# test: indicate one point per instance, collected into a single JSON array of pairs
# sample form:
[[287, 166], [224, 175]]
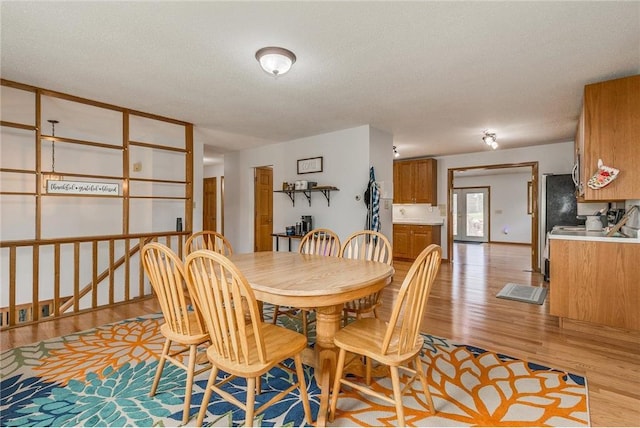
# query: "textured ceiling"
[[434, 74]]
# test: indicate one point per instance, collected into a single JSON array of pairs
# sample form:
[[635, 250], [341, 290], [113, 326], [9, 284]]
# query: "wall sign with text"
[[309, 165], [82, 188]]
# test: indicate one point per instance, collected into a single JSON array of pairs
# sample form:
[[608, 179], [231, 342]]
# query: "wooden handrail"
[[32, 242]]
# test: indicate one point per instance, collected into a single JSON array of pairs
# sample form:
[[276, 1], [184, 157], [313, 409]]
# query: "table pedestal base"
[[326, 355]]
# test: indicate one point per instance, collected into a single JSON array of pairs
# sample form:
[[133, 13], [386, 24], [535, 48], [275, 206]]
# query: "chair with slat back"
[[396, 344], [365, 245], [319, 241], [208, 240], [324, 242], [372, 246], [240, 348], [182, 325]]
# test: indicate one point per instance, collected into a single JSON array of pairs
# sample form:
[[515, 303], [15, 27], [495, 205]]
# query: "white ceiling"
[[434, 74]]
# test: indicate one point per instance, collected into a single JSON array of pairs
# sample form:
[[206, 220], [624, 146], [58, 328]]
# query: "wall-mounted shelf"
[[325, 190]]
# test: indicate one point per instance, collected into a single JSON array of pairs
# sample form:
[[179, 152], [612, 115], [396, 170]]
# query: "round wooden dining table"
[[314, 282]]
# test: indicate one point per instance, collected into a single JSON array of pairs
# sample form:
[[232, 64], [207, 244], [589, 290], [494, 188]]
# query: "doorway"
[[263, 201], [532, 203], [210, 204], [471, 214]]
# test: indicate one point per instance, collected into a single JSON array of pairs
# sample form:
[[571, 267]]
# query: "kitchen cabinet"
[[609, 129], [415, 181], [410, 239], [595, 281]]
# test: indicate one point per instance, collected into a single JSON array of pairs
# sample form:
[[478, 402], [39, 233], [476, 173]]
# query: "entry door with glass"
[[471, 214]]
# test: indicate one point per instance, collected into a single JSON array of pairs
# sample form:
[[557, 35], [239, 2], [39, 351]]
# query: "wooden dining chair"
[[373, 246], [240, 348], [208, 240], [365, 245], [319, 241], [211, 240], [182, 325], [396, 344]]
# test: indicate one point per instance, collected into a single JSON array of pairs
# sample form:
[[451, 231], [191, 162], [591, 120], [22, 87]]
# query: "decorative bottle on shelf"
[[298, 228], [179, 224]]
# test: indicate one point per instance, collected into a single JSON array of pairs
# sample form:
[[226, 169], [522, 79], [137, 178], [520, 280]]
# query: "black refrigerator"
[[560, 208]]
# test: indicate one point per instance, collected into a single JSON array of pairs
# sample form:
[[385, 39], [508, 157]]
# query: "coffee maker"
[[307, 224]]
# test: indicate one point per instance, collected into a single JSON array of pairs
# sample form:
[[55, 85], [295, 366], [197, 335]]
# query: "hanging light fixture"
[[489, 139], [395, 152], [52, 175], [275, 61]]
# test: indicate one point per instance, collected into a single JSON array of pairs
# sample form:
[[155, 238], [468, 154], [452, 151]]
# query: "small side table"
[[284, 235]]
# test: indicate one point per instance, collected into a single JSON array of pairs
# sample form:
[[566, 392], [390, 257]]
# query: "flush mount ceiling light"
[[489, 139], [275, 61], [395, 152]]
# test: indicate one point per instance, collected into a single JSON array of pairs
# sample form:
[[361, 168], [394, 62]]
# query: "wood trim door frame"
[[535, 262]]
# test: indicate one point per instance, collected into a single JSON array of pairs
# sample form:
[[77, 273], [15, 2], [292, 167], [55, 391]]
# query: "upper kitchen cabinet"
[[609, 129], [415, 181]]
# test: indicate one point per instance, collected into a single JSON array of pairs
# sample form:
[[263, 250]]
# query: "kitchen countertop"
[[583, 235]]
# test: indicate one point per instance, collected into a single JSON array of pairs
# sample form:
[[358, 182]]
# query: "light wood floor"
[[463, 307]]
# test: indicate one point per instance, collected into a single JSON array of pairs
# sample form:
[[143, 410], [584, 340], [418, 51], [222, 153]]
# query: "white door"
[[471, 214]]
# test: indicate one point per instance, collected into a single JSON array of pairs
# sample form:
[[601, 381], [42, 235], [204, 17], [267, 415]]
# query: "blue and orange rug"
[[102, 377]]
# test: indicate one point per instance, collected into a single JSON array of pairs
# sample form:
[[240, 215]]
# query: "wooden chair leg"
[[163, 358], [207, 396], [275, 314], [367, 369], [425, 386], [251, 401], [304, 322], [189, 386], [336, 384], [302, 385], [397, 395]]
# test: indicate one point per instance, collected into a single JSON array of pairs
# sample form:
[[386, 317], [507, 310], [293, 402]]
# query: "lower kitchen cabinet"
[[410, 239], [595, 281]]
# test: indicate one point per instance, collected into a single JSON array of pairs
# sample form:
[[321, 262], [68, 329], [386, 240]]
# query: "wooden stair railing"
[[24, 260], [106, 273]]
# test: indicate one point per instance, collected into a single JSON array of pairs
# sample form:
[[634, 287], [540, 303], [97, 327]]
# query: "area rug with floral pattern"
[[102, 377]]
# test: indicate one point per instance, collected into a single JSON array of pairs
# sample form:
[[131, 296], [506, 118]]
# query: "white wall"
[[552, 158], [509, 221], [347, 155], [380, 153], [216, 170]]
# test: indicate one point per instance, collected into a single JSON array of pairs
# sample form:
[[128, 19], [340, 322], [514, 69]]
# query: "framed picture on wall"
[[309, 165]]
